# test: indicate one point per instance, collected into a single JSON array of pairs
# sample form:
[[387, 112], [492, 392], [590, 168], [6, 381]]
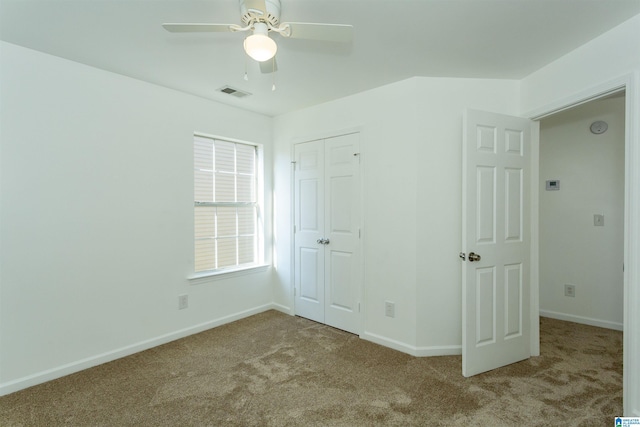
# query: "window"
[[226, 209]]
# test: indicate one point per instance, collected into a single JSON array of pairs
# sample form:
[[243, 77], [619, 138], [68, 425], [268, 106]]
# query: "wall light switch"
[[598, 220]]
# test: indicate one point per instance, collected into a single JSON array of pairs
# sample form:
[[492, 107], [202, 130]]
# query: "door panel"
[[486, 205], [485, 303], [514, 142], [486, 138], [513, 300], [308, 195], [513, 204], [341, 292], [495, 290], [310, 289], [340, 220]]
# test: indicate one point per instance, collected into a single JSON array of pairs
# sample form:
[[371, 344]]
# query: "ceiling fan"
[[261, 17]]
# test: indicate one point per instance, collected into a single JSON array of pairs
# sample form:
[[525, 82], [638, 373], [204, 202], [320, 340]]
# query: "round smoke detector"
[[599, 127]]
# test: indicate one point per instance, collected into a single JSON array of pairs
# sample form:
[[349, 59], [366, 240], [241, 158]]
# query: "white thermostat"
[[553, 184]]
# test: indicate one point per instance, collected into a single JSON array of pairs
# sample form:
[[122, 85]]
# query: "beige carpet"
[[276, 370]]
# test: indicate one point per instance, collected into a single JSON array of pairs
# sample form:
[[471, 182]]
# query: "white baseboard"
[[282, 308], [73, 367], [439, 350], [584, 320], [388, 342], [410, 349]]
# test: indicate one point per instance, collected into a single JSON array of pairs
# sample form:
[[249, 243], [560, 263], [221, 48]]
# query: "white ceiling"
[[393, 40]]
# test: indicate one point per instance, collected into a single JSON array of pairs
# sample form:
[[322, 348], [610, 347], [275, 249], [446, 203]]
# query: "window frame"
[[259, 263]]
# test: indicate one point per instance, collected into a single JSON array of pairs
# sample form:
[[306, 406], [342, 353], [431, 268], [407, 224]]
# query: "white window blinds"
[[226, 208]]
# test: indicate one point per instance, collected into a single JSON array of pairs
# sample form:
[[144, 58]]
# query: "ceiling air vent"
[[233, 92]]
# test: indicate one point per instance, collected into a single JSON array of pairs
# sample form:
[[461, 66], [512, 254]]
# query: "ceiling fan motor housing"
[[251, 14]]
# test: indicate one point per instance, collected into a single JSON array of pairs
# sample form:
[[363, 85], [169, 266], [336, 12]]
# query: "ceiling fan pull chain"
[[273, 73]]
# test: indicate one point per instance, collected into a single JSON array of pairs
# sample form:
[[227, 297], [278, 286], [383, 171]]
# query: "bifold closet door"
[[327, 231]]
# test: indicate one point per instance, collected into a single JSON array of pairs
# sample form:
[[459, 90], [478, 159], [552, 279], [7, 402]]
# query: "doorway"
[[581, 213], [628, 84]]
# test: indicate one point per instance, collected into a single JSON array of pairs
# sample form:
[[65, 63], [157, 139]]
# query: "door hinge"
[[359, 233], [358, 307], [295, 229], [295, 291]]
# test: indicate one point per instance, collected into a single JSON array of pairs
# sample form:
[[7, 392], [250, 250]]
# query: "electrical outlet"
[[389, 309], [598, 220], [183, 302], [570, 290]]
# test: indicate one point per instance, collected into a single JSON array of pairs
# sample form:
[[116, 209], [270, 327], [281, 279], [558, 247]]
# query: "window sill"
[[206, 276]]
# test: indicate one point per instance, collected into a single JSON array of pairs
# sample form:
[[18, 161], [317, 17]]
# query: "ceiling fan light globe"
[[260, 47]]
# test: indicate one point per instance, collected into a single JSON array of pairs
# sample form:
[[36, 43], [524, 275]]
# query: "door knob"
[[320, 241], [326, 241], [474, 257]]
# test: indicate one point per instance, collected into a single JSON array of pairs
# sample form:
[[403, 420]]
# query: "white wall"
[[439, 201], [613, 54], [388, 156], [411, 159], [97, 217], [572, 251], [600, 64]]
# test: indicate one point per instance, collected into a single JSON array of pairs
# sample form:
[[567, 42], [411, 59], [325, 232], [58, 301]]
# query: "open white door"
[[496, 163]]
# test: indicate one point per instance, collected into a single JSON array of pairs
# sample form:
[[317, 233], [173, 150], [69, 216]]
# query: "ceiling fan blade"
[[197, 28], [269, 66], [325, 32]]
